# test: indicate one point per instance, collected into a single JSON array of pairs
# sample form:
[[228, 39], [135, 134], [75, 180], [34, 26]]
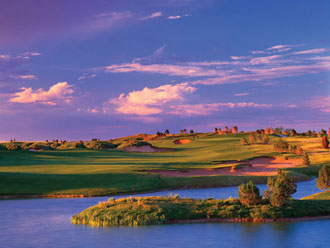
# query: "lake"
[[46, 223]]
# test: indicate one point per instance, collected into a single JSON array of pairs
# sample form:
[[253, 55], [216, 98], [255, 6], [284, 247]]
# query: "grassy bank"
[[319, 196], [91, 172], [162, 210]]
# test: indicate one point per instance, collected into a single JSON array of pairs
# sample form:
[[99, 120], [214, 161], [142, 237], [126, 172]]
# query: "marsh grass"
[[134, 211]]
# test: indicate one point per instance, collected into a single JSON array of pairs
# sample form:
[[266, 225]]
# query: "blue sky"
[[84, 69]]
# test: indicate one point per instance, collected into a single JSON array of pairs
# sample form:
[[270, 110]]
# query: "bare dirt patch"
[[263, 166], [181, 141]]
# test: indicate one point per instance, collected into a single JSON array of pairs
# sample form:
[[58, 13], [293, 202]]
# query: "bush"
[[280, 188], [244, 141], [306, 161], [281, 146], [249, 194], [324, 142], [12, 146], [265, 139], [252, 138], [299, 150], [323, 181]]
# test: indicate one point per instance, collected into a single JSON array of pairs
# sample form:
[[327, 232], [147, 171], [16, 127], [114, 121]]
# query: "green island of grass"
[[134, 211]]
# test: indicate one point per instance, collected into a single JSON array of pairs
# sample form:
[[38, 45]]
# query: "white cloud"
[[153, 15], [59, 92], [171, 99], [151, 100], [174, 17]]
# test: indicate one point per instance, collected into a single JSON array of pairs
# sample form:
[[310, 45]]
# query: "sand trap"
[[181, 141], [263, 166], [144, 149]]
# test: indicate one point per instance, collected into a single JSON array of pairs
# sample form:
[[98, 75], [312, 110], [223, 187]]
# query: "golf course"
[[146, 163]]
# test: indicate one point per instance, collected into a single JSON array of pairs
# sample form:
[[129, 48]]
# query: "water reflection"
[[45, 223]]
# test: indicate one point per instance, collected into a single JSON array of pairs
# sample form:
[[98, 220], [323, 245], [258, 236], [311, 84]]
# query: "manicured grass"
[[102, 172], [319, 196], [161, 210]]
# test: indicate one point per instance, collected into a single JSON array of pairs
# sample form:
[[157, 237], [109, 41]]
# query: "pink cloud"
[[209, 108], [312, 51], [151, 101], [59, 92], [320, 103], [241, 94], [173, 70], [264, 60], [27, 77], [85, 76], [153, 15]]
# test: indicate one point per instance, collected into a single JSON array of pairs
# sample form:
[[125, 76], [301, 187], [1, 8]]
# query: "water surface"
[[46, 223]]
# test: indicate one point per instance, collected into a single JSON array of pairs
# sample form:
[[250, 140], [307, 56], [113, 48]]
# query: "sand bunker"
[[143, 149], [181, 141], [263, 166]]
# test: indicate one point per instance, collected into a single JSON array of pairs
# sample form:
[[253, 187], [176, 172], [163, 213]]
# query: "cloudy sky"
[[79, 69]]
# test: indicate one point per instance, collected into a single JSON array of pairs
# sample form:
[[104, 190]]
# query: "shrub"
[[13, 146], [244, 141], [252, 138], [249, 194], [259, 138], [293, 132], [323, 181], [306, 161], [292, 148], [265, 139], [299, 150], [324, 142], [281, 146], [280, 188]]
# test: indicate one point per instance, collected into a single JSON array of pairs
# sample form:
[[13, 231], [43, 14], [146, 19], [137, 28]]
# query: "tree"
[[324, 142], [191, 131], [329, 133], [215, 130], [299, 150], [309, 133], [281, 146], [244, 141], [306, 161], [167, 132], [249, 194], [280, 188], [265, 139], [323, 181], [235, 129], [252, 138], [293, 132]]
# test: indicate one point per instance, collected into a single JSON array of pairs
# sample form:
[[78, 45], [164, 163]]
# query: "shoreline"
[[50, 196], [249, 220]]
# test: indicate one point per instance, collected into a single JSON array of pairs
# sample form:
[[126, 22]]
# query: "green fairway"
[[99, 172]]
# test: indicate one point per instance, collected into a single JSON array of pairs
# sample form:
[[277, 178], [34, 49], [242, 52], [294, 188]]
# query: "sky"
[[82, 69]]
